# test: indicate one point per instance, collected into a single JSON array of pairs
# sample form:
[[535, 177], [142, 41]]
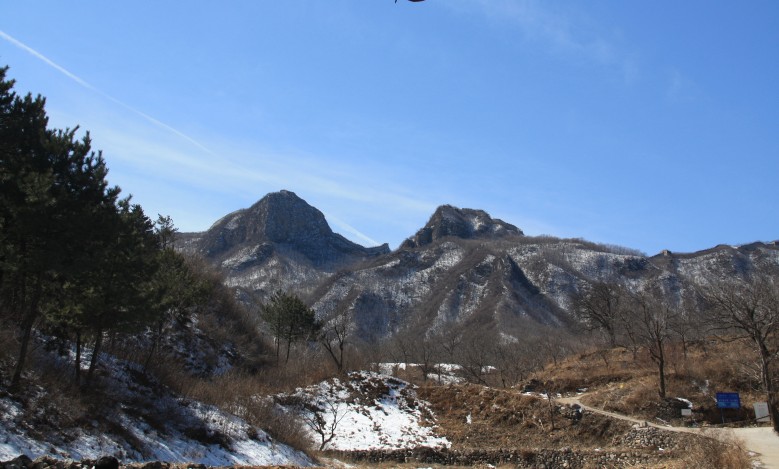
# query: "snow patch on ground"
[[141, 422], [372, 411], [442, 373]]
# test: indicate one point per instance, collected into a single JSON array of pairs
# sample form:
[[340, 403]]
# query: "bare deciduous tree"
[[653, 320], [314, 415], [475, 356], [334, 337], [750, 309], [599, 307], [515, 360]]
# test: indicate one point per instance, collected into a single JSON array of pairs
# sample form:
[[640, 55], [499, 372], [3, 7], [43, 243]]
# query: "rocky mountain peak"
[[283, 217], [282, 221], [462, 223]]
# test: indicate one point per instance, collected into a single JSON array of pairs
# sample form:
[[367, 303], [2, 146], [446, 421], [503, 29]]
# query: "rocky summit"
[[280, 242], [462, 269], [460, 223]]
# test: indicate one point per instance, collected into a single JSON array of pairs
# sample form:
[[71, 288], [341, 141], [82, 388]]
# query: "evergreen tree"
[[289, 320], [50, 183], [177, 289], [120, 297], [70, 250]]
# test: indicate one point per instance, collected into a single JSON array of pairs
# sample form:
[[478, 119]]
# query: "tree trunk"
[[768, 385], [612, 337], [337, 359], [95, 354], [29, 320], [551, 408], [660, 360], [78, 357], [154, 341]]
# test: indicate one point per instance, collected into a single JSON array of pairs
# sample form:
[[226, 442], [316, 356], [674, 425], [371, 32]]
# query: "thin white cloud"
[[238, 171], [557, 30], [45, 59], [352, 230], [90, 87], [252, 171]]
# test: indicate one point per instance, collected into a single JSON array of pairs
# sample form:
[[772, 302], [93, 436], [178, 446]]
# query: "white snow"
[[373, 411], [686, 401], [233, 223], [91, 443], [225, 440], [444, 373]]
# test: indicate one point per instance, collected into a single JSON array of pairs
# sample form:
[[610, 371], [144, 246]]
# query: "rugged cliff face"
[[281, 242], [448, 221], [463, 268]]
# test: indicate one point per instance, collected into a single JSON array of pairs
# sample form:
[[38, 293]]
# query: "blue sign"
[[728, 400]]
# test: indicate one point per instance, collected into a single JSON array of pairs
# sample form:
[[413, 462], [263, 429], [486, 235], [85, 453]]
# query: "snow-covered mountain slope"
[[463, 268], [126, 413]]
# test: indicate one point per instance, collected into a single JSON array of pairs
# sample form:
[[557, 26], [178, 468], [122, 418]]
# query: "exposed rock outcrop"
[[280, 242], [463, 223]]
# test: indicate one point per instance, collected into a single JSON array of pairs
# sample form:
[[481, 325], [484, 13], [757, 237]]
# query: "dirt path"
[[760, 440]]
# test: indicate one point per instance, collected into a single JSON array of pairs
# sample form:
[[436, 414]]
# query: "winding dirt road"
[[762, 441]]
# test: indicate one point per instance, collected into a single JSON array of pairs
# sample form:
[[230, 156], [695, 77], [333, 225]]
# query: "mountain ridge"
[[461, 269]]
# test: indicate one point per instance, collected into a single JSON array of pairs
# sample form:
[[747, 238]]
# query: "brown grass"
[[245, 395], [708, 452], [617, 381], [506, 419]]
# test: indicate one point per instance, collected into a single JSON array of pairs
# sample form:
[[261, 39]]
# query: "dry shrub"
[[710, 452], [282, 426], [303, 369], [595, 368], [243, 395], [638, 396]]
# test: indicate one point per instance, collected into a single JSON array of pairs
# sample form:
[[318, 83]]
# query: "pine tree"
[[289, 320], [49, 184], [176, 288], [70, 250]]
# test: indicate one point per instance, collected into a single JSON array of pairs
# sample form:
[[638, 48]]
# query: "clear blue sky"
[[651, 125]]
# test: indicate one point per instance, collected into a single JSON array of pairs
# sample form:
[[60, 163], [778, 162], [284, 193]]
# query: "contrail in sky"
[[88, 86], [242, 173]]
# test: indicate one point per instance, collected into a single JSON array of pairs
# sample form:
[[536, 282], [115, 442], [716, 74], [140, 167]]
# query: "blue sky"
[[652, 125]]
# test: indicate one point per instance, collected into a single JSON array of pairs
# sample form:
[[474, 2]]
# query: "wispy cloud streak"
[[91, 87], [557, 30], [352, 230]]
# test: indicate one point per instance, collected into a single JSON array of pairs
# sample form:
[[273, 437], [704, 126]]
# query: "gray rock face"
[[463, 268], [280, 242], [282, 219], [460, 223]]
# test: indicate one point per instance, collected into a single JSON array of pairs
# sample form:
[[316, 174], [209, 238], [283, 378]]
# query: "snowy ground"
[[371, 411], [142, 422], [443, 373], [138, 420]]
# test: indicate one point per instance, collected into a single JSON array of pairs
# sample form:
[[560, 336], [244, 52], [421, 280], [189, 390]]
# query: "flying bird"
[[396, 1]]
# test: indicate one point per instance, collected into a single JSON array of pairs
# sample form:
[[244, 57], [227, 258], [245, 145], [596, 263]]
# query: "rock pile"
[[646, 437], [525, 458]]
